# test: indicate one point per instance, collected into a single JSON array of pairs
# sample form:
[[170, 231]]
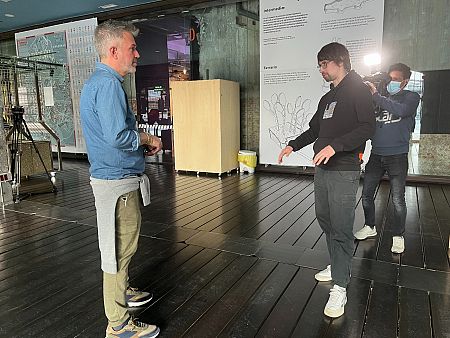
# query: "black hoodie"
[[346, 128]]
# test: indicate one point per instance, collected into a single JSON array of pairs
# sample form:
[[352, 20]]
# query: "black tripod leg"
[[15, 156]]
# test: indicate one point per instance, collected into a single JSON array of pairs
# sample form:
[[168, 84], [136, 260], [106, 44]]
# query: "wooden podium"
[[206, 125]]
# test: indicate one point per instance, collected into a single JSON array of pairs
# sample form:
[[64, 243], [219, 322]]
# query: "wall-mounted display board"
[[71, 44], [291, 34]]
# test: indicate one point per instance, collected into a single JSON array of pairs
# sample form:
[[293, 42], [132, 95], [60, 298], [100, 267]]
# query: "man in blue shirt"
[[116, 154], [390, 146]]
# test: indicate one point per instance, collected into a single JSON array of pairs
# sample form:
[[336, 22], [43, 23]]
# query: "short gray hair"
[[111, 30]]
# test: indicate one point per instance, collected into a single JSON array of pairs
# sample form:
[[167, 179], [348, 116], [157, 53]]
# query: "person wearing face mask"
[[390, 145]]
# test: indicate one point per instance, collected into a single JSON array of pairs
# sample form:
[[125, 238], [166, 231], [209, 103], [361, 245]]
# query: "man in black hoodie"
[[344, 120]]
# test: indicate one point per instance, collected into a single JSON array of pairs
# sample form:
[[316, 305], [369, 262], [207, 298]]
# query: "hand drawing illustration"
[[291, 119], [338, 6]]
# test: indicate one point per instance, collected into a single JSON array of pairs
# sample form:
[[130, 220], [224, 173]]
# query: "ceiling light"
[[5, 0], [157, 51], [138, 20], [9, 15], [107, 6], [161, 15], [372, 59]]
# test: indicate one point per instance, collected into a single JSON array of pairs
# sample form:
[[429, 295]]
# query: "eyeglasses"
[[323, 64]]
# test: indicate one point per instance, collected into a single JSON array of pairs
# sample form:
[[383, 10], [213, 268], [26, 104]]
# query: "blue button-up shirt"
[[109, 127]]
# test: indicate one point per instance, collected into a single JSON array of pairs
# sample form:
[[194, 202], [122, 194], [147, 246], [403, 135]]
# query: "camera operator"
[[390, 145]]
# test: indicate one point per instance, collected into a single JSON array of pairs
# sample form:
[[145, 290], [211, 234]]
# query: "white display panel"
[[291, 34]]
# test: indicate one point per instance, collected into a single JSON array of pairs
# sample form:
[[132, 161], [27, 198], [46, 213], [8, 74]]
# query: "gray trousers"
[[335, 200]]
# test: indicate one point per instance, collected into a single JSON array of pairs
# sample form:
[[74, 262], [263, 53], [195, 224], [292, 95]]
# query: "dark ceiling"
[[21, 15], [29, 13]]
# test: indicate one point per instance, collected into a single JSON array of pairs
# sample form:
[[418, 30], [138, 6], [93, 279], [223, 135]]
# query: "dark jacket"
[[346, 128], [395, 122]]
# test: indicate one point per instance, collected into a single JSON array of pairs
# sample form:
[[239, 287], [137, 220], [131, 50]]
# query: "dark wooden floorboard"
[[261, 210], [234, 257], [289, 307], [249, 204], [313, 323], [284, 201], [18, 265], [440, 314], [290, 220], [414, 255], [247, 321], [46, 248], [415, 315], [222, 312], [297, 228], [435, 256], [291, 208], [442, 209], [184, 316], [382, 312], [211, 204], [234, 205], [179, 294]]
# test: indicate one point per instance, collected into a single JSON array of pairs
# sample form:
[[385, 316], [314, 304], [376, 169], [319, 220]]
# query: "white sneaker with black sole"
[[365, 232], [324, 275], [336, 303]]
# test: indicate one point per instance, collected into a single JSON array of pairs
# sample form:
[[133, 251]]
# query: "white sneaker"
[[365, 231], [398, 244], [336, 302], [324, 275]]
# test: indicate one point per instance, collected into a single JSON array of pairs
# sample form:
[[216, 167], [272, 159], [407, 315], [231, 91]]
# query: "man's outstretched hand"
[[285, 152]]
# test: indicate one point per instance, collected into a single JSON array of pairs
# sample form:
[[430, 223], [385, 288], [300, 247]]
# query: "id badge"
[[328, 113]]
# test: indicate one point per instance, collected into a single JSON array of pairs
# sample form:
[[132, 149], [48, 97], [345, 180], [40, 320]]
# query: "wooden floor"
[[234, 257]]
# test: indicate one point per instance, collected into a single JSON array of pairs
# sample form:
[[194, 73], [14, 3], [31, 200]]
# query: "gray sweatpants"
[[335, 200]]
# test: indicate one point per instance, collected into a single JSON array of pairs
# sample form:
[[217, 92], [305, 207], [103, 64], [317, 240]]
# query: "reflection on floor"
[[234, 257]]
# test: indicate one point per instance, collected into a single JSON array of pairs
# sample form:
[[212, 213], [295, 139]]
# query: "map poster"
[[71, 45], [291, 34]]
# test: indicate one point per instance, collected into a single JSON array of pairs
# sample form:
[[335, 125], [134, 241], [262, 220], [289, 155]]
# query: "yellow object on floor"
[[247, 161]]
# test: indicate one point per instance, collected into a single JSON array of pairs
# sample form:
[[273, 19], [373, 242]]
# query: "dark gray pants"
[[335, 200], [396, 167]]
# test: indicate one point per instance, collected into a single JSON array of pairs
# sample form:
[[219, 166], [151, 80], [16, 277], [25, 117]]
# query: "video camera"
[[380, 80]]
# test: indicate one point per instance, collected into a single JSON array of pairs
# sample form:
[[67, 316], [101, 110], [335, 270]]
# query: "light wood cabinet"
[[206, 126]]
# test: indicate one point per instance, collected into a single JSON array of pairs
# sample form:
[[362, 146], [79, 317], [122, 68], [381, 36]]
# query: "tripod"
[[20, 129]]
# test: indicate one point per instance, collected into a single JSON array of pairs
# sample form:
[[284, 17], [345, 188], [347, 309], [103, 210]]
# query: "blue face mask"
[[394, 87]]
